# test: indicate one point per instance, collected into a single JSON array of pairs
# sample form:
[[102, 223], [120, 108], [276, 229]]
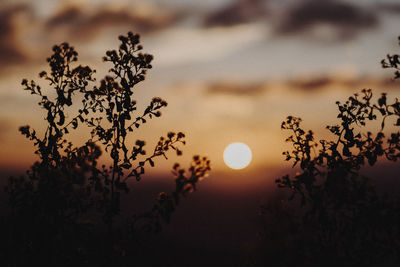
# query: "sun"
[[237, 156]]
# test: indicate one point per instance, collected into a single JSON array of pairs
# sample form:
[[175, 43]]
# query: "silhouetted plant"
[[166, 203], [346, 221], [66, 184], [392, 61]]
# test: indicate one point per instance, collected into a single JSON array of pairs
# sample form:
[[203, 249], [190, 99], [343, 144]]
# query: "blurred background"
[[231, 71]]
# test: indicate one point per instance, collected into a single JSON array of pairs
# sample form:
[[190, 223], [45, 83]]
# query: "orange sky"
[[230, 70]]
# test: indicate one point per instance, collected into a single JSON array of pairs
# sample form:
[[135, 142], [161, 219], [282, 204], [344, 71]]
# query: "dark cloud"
[[67, 16], [389, 7], [10, 51], [347, 19], [83, 24], [323, 82], [240, 11], [311, 84], [230, 88], [305, 84]]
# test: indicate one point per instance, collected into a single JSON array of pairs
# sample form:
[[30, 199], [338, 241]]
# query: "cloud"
[[84, 24], [10, 50], [305, 84], [393, 8], [316, 83], [254, 89], [326, 82], [238, 12], [70, 15], [181, 46], [240, 89], [343, 17]]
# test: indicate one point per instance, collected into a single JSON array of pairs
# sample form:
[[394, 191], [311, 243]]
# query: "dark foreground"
[[212, 227]]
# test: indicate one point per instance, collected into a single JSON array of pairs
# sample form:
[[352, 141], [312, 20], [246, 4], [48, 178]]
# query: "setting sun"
[[237, 156]]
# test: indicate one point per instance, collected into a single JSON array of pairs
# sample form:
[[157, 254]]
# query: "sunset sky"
[[230, 70]]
